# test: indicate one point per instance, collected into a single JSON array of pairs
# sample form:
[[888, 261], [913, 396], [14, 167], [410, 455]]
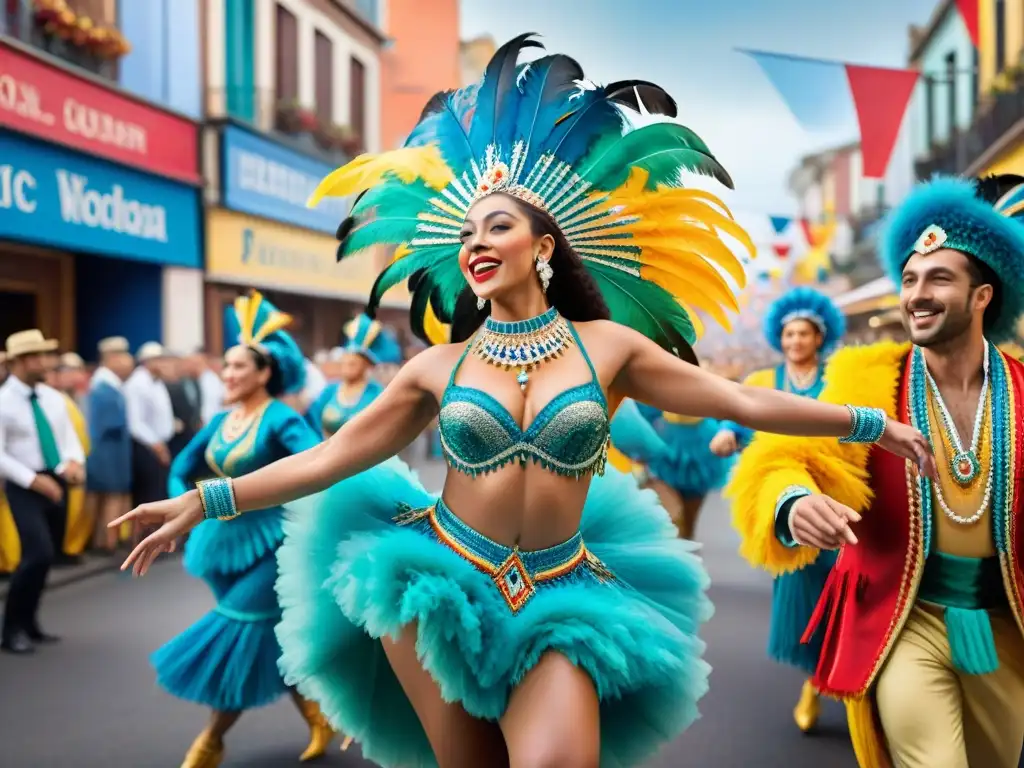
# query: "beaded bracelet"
[[218, 499], [867, 425]]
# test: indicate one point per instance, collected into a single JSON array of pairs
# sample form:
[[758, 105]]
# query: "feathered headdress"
[[539, 132], [804, 304], [256, 323], [983, 218], [367, 337]]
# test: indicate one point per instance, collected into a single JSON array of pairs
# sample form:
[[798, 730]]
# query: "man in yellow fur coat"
[[922, 614]]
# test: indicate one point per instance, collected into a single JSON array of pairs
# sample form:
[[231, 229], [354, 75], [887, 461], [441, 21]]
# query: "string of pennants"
[[814, 263]]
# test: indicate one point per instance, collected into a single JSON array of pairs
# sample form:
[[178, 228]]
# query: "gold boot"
[[204, 753], [807, 709], [320, 732]]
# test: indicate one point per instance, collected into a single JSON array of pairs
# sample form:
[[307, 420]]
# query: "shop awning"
[[877, 295]]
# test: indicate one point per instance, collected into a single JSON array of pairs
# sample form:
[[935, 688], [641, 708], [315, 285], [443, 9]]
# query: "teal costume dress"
[[328, 413], [679, 455], [228, 659], [795, 595], [623, 598]]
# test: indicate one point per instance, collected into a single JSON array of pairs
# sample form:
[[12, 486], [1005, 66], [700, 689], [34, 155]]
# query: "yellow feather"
[[275, 322], [407, 164], [867, 375], [436, 331], [401, 252], [695, 291]]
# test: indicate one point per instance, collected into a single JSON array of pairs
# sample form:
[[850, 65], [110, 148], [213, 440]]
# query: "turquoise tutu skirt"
[[623, 600], [688, 465], [794, 598], [228, 659]]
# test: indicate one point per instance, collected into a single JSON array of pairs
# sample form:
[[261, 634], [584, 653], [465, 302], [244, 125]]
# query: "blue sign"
[[265, 179], [59, 198]]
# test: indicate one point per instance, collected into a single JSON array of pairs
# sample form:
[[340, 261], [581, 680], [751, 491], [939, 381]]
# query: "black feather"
[[438, 103], [500, 79], [992, 188], [654, 98]]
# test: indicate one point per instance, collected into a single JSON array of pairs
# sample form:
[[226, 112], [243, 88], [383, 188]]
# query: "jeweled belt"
[[515, 572]]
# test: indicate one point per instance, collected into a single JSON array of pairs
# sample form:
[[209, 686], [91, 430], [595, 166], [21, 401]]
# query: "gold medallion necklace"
[[523, 344]]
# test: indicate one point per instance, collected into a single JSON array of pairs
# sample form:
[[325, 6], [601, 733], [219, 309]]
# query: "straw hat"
[[29, 343], [113, 344], [151, 350], [71, 360]]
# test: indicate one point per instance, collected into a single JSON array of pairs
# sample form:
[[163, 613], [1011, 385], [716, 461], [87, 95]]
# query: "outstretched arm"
[[651, 375], [380, 431]]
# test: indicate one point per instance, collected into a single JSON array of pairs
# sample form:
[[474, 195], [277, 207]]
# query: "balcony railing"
[[18, 20], [298, 127], [964, 149]]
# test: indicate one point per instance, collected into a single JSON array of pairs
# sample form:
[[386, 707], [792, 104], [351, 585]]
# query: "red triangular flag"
[[781, 249], [969, 12], [881, 97], [805, 225]]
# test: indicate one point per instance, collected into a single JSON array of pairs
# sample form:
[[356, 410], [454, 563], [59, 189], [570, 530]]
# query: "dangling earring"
[[545, 272], [480, 303]]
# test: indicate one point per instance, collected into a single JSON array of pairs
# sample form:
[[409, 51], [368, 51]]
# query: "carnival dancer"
[[678, 464], [804, 325], [919, 613], [541, 611], [227, 661], [369, 344]]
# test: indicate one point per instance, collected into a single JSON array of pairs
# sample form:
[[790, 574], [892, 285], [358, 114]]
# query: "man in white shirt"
[[150, 422], [40, 455]]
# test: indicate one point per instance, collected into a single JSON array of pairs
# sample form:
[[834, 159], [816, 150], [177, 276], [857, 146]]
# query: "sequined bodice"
[[254, 448], [569, 436], [336, 412]]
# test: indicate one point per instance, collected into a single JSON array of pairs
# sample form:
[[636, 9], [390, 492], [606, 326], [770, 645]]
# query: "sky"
[[687, 47]]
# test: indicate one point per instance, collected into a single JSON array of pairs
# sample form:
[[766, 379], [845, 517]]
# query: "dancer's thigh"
[[553, 717], [458, 739]]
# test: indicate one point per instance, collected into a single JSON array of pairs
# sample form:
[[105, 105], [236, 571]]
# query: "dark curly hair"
[[572, 291]]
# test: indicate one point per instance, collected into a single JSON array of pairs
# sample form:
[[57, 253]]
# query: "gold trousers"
[[934, 716]]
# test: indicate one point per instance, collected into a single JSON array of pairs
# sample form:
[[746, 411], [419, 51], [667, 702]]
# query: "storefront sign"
[[247, 251], [265, 179], [46, 101], [53, 196]]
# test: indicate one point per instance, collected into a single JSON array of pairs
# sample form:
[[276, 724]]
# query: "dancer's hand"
[[176, 517], [724, 443], [818, 521], [903, 440]]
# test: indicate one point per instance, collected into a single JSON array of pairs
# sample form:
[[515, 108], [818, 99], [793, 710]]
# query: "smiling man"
[[922, 616]]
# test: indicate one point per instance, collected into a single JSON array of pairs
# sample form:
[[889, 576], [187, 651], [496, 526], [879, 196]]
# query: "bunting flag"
[[781, 249], [833, 95], [969, 13], [780, 223], [808, 230], [816, 265]]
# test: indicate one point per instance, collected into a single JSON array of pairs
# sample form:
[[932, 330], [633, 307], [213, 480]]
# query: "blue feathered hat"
[[953, 213], [367, 337], [256, 323], [805, 304]]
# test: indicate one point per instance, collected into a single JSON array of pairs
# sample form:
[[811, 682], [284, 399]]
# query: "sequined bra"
[[569, 436]]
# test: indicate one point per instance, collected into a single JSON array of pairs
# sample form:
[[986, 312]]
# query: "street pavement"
[[91, 702]]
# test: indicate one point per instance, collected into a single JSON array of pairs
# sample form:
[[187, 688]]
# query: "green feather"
[[646, 307], [387, 215], [437, 261], [662, 149]]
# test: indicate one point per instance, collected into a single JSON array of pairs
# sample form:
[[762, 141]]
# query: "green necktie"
[[47, 442]]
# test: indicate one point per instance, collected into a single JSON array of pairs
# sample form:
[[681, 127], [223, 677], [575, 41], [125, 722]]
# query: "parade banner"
[[267, 179], [969, 13], [243, 250], [831, 95], [62, 199], [43, 100]]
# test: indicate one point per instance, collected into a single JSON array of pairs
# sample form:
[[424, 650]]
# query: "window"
[[1000, 35], [287, 55], [324, 78], [357, 94], [975, 82], [951, 105]]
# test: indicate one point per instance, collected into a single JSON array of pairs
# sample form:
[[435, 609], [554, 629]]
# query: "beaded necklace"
[[963, 463], [523, 344], [999, 433]]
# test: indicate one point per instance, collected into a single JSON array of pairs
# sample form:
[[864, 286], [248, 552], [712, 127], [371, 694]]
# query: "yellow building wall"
[[988, 76]]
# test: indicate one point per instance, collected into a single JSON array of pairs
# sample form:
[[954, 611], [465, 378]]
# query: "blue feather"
[[545, 92], [494, 117]]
